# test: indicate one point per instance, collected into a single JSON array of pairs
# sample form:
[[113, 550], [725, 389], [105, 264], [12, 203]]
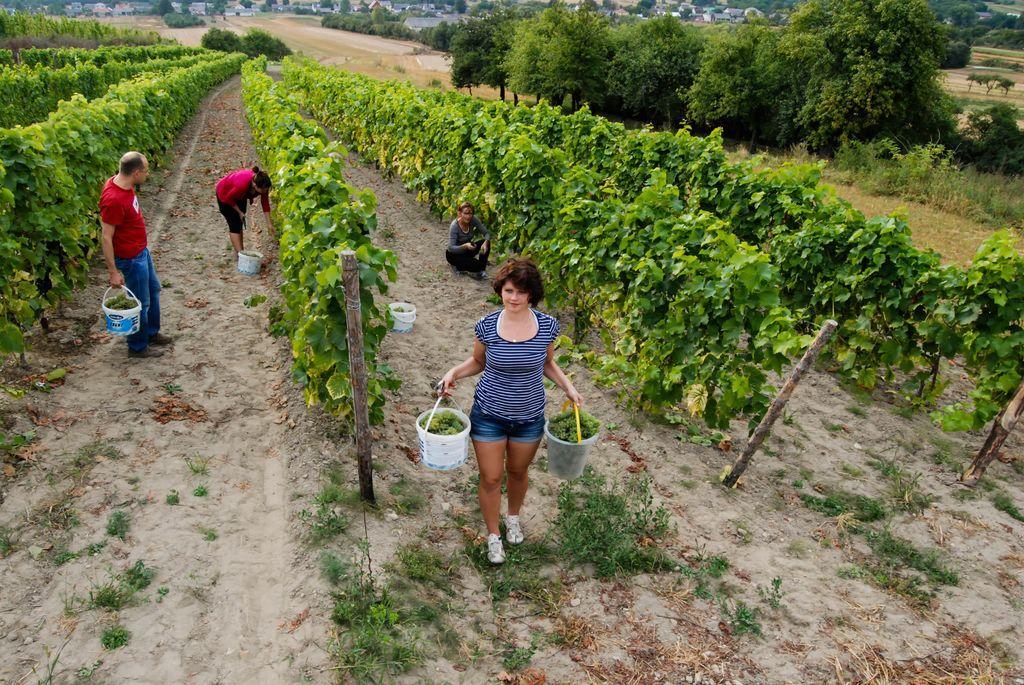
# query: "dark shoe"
[[479, 275], [148, 353], [160, 339]]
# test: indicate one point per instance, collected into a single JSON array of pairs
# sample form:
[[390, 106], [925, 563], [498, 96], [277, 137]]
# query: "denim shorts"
[[488, 428]]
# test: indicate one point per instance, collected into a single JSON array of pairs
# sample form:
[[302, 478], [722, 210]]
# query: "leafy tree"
[[440, 37], [993, 141], [1004, 84], [963, 15], [561, 53], [344, 6], [258, 42], [479, 49], [871, 68], [958, 55], [747, 84], [460, 6], [221, 39], [162, 7], [654, 66]]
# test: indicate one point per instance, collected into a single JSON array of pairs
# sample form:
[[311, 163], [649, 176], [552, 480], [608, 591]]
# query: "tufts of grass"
[[703, 570], [742, 619], [333, 567], [200, 491], [614, 529], [837, 502], [520, 576], [173, 498], [517, 658], [904, 488], [408, 497], [209, 534], [898, 551], [116, 637], [198, 465], [119, 590], [327, 521], [64, 556], [118, 524], [1004, 503], [423, 565], [8, 542]]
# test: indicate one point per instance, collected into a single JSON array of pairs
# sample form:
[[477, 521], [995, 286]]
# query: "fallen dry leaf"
[[167, 408], [293, 625]]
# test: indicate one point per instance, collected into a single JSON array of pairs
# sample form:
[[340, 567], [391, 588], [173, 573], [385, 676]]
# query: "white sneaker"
[[495, 550], [513, 530]]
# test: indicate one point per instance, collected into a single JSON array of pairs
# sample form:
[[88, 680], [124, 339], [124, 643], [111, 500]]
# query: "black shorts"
[[235, 222]]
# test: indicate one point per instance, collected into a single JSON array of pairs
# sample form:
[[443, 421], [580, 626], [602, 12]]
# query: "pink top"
[[233, 189]]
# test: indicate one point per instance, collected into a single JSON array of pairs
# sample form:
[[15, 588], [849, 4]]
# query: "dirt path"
[[226, 559]]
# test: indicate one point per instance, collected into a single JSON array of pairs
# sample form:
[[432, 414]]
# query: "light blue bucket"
[[122, 321]]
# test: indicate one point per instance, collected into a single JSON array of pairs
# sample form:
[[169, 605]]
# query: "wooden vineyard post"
[[777, 405], [1001, 429], [357, 372]]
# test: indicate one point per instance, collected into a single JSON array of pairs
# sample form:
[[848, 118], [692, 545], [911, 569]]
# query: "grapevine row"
[[899, 309], [62, 57], [319, 216], [22, 24], [29, 94], [51, 174], [688, 312]]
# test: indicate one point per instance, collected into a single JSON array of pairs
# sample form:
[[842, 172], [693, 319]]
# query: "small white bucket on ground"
[[249, 262], [404, 314], [122, 321], [443, 452], [567, 459]]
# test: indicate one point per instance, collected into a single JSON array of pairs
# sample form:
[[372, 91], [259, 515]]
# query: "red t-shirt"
[[233, 189], [120, 209]]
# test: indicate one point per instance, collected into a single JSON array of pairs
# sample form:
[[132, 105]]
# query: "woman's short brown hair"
[[467, 205], [523, 274]]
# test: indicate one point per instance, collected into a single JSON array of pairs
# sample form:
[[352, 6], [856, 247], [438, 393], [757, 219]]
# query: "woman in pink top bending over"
[[235, 192]]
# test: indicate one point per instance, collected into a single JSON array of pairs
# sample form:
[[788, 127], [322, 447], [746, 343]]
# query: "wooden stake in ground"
[[357, 372], [775, 409], [1001, 429]]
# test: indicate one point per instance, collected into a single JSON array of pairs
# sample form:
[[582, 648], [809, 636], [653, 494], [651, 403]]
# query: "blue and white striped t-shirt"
[[512, 386]]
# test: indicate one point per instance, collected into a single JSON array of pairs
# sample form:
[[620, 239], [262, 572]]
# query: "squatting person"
[[235, 192], [125, 251], [466, 251], [514, 347]]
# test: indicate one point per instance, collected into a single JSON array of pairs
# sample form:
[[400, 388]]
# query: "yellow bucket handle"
[[576, 408]]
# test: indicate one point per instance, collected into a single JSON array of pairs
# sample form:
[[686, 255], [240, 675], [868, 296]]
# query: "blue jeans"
[[140, 277], [488, 428]]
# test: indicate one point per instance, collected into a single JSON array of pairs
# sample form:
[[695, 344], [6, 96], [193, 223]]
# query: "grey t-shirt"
[[457, 237]]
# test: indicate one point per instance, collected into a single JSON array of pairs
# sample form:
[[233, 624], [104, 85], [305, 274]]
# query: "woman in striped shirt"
[[514, 347]]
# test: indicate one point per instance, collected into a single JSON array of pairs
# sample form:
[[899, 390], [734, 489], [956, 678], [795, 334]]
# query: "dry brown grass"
[[964, 659]]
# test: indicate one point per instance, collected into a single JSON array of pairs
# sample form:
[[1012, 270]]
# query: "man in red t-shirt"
[[125, 251]]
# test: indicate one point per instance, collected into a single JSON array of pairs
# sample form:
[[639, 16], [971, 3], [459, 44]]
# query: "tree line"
[[839, 71]]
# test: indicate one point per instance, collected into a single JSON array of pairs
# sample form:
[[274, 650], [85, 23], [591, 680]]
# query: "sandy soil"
[[250, 607]]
